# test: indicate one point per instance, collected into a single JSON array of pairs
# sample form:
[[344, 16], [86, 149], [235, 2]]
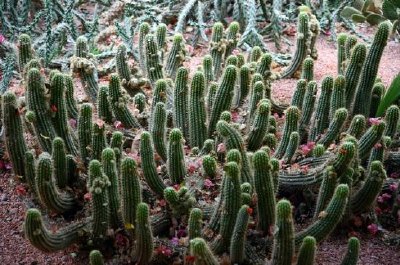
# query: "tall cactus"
[[298, 95], [144, 29], [338, 98], [335, 127], [370, 138], [103, 105], [25, 52], [217, 47], [153, 63], [181, 97], [70, 98], [307, 72], [202, 253], [307, 109], [257, 93], [123, 70], [60, 163], [232, 37], [326, 190], [307, 251], [158, 130], [392, 117], [244, 85], [195, 223], [176, 56], [144, 235], [176, 159], [238, 240], [357, 126], [197, 111], [291, 125], [85, 131], [259, 128], [341, 44], [353, 248], [208, 69]]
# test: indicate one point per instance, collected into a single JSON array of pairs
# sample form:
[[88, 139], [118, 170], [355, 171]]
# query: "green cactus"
[[335, 127], [181, 94], [30, 174], [264, 67], [36, 100], [328, 219], [350, 44], [144, 235], [362, 102], [158, 130], [232, 37], [353, 248], [118, 103], [307, 109], [159, 94], [326, 191], [341, 44], [60, 163], [244, 85], [357, 126], [208, 147], [301, 45], [299, 93], [259, 128], [103, 106], [291, 125], [49, 241], [255, 54], [231, 60], [318, 150], [377, 92], [238, 240], [176, 158], [209, 164], [140, 102], [197, 112], [366, 195], [176, 56], [153, 62], [247, 193], [50, 196], [294, 142], [161, 37], [13, 133], [257, 93], [195, 223], [307, 72], [69, 98], [123, 70], [25, 51], [212, 91], [217, 47], [338, 98], [96, 258], [223, 97], [392, 121], [283, 250], [144, 29], [116, 144], [345, 155], [180, 201], [202, 253], [270, 140], [99, 141], [307, 251], [370, 138], [353, 71], [208, 69], [149, 165]]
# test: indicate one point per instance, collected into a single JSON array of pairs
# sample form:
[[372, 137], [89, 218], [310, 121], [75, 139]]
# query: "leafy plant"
[[391, 96]]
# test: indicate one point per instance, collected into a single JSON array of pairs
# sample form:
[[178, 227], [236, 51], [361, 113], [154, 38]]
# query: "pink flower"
[[386, 196], [378, 210], [374, 121], [163, 250], [380, 199], [20, 189], [395, 175], [87, 197], [208, 183], [378, 145], [2, 38], [118, 125], [221, 148], [236, 52], [162, 203], [235, 116], [373, 229], [175, 241], [100, 123], [307, 148], [72, 123], [192, 167], [393, 187]]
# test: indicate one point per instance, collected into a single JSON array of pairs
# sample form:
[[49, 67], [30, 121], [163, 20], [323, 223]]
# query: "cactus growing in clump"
[[36, 100], [350, 44], [195, 223], [298, 96], [255, 54], [392, 121], [161, 37], [377, 92], [158, 130], [259, 127], [30, 174], [149, 165], [181, 94], [69, 98], [159, 94], [318, 150], [118, 104], [307, 72], [25, 52], [131, 193], [96, 258], [307, 109], [238, 239], [176, 158], [13, 131], [223, 97], [231, 60], [212, 91], [244, 85], [152, 61], [326, 190], [176, 56], [208, 147], [103, 106], [140, 102], [370, 138], [144, 29], [328, 219], [345, 154], [197, 112], [180, 201], [144, 235], [284, 238], [202, 253], [357, 126], [46, 240], [338, 98], [85, 131], [232, 37], [49, 194], [217, 47], [366, 195], [307, 251], [353, 248], [232, 202], [99, 141], [123, 70], [116, 144], [291, 125], [60, 163], [257, 93], [292, 146], [301, 45], [270, 140], [264, 68], [362, 102], [208, 69], [100, 202], [209, 164], [341, 44], [335, 127]]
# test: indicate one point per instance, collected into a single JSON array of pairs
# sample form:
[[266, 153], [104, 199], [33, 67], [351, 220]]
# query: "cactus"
[[60, 163], [338, 98], [98, 140], [25, 51], [96, 258], [176, 158], [118, 104], [362, 102], [259, 128], [238, 239], [301, 45], [208, 69], [366, 195], [370, 138], [255, 54], [264, 67], [100, 202], [36, 100], [298, 96], [353, 71], [49, 194], [110, 170], [195, 223], [85, 131], [116, 144], [335, 127], [159, 94], [351, 257], [357, 126], [180, 201], [307, 251], [307, 72], [208, 147], [377, 92], [103, 106], [181, 94], [161, 37], [345, 155], [158, 130], [149, 165], [144, 29], [264, 188], [292, 146], [244, 85], [13, 132], [217, 48], [212, 91], [232, 37], [231, 60], [223, 97], [318, 150], [176, 56], [48, 241], [350, 44], [202, 253], [123, 70], [328, 219], [326, 190], [131, 193], [140, 102], [144, 235], [307, 109], [153, 66], [69, 98], [284, 238], [257, 93], [341, 44], [291, 125], [231, 205], [209, 165], [270, 140], [392, 121], [30, 174], [197, 112]]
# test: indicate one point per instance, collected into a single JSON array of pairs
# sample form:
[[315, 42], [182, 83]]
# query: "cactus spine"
[[377, 92], [123, 70], [197, 113], [153, 66], [176, 159], [144, 29], [257, 93], [370, 138], [181, 94], [232, 37], [392, 121], [291, 125], [158, 130], [25, 52], [307, 109], [260, 126], [357, 126], [208, 69], [195, 223], [338, 99], [69, 98], [209, 164], [238, 239], [292, 146], [176, 56], [144, 235], [326, 190], [217, 47]]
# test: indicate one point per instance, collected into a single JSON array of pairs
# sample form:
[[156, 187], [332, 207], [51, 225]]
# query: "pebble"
[[4, 198]]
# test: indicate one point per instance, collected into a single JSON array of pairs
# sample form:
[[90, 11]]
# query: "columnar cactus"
[[149, 165], [264, 67], [25, 52], [140, 102], [36, 100], [291, 125], [208, 147], [176, 158], [212, 91], [60, 163], [259, 128], [255, 54], [338, 98], [195, 223], [231, 60], [131, 193], [362, 102], [238, 239], [144, 235], [208, 69], [85, 131], [103, 105], [180, 201], [298, 96], [118, 104], [232, 37], [345, 155], [202, 253], [326, 190], [244, 85], [197, 112], [357, 126], [307, 72], [353, 248], [30, 174], [257, 93], [14, 133], [123, 70], [294, 142], [181, 94], [335, 127], [307, 251], [161, 38], [377, 92], [341, 45], [96, 258], [70, 98], [350, 44], [46, 240], [176, 56], [307, 109], [223, 97], [209, 164], [217, 47], [392, 121], [158, 130], [370, 138], [116, 142], [153, 62], [99, 141], [283, 250], [144, 29]]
